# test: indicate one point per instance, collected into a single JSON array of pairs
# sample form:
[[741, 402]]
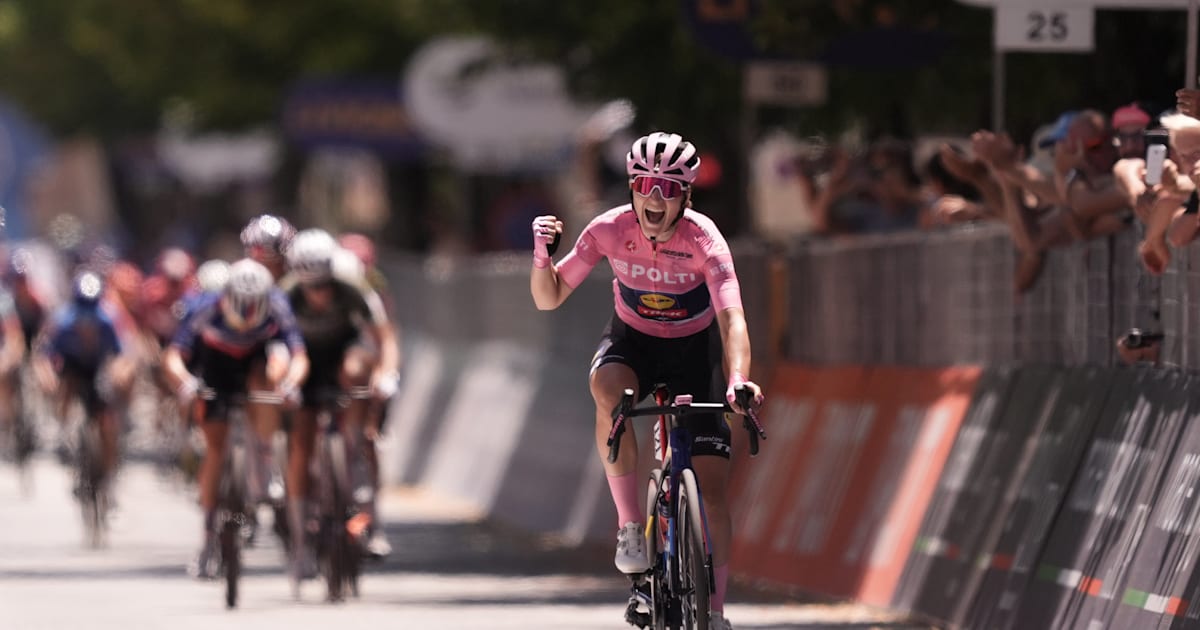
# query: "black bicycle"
[[235, 509], [85, 407], [676, 589], [339, 479]]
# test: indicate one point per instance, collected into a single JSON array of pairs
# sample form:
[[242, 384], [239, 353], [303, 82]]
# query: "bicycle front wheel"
[[657, 578], [334, 518], [693, 561], [90, 483], [232, 500]]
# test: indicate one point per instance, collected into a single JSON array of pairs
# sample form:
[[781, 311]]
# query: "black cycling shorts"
[[80, 380], [686, 365], [227, 376]]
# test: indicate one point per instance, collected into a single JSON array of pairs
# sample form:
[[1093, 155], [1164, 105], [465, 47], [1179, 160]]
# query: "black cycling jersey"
[[329, 332]]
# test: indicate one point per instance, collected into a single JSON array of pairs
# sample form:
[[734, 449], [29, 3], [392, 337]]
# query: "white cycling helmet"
[[347, 267], [665, 155], [247, 294], [212, 275], [311, 255]]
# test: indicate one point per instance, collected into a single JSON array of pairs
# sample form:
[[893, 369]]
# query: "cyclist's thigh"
[[357, 363], [618, 364]]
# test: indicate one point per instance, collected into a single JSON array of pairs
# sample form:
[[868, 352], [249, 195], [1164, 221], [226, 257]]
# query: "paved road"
[[450, 571]]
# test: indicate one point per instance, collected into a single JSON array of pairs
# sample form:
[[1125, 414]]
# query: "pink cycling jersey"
[[668, 289]]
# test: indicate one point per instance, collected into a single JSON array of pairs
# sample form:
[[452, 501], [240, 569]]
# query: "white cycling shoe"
[[631, 549], [717, 621]]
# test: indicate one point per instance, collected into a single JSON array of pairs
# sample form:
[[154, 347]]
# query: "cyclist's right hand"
[[186, 392], [290, 393], [546, 229]]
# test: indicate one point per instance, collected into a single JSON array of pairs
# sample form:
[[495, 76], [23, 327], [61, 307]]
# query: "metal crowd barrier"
[[921, 298]]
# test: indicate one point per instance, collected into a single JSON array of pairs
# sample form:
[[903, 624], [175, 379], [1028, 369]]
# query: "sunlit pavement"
[[448, 571]]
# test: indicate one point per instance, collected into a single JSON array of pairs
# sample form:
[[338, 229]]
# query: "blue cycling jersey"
[[81, 338], [205, 324]]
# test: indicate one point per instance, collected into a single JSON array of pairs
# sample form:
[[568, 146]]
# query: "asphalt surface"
[[450, 570]]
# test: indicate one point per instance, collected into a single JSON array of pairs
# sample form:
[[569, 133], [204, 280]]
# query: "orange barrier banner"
[[833, 503]]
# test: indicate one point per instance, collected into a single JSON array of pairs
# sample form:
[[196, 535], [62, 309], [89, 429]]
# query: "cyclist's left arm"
[[726, 295], [288, 331], [384, 330]]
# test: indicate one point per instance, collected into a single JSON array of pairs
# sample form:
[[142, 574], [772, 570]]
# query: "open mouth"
[[655, 217]]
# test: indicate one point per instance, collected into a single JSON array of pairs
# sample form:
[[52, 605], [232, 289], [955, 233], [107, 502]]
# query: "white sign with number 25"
[[1044, 29]]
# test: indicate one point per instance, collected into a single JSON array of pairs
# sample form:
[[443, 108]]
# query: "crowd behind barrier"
[[1079, 181]]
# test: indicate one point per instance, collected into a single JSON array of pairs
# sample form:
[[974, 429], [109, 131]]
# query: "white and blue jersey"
[[205, 326], [81, 339]]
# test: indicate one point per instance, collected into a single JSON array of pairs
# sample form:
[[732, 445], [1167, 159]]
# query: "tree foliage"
[[117, 67]]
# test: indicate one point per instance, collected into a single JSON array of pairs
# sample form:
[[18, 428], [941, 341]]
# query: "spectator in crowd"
[[955, 187], [1162, 208], [1080, 199], [874, 193], [1083, 177], [1129, 125]]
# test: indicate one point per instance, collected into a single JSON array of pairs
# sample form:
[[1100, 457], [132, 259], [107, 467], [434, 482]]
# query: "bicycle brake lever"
[[750, 418]]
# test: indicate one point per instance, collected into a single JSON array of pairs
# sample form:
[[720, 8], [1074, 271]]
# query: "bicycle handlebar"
[[259, 396], [683, 406]]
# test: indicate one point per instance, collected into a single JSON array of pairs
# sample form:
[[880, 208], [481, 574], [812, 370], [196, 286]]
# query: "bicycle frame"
[[677, 452]]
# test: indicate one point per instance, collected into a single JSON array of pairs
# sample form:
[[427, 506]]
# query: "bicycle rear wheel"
[[693, 557]]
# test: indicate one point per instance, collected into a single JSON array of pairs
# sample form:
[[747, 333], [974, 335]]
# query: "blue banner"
[[22, 146], [354, 113]]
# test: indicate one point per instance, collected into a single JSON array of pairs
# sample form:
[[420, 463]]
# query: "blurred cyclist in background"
[[678, 320], [266, 240], [163, 293], [31, 306], [81, 356], [12, 354], [224, 341], [363, 252], [211, 277], [19, 304], [350, 343]]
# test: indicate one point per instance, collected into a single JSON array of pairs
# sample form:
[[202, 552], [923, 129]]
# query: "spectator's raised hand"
[[1188, 102], [996, 150], [963, 167], [949, 209], [1068, 155], [1195, 175], [1173, 183], [1130, 174]]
